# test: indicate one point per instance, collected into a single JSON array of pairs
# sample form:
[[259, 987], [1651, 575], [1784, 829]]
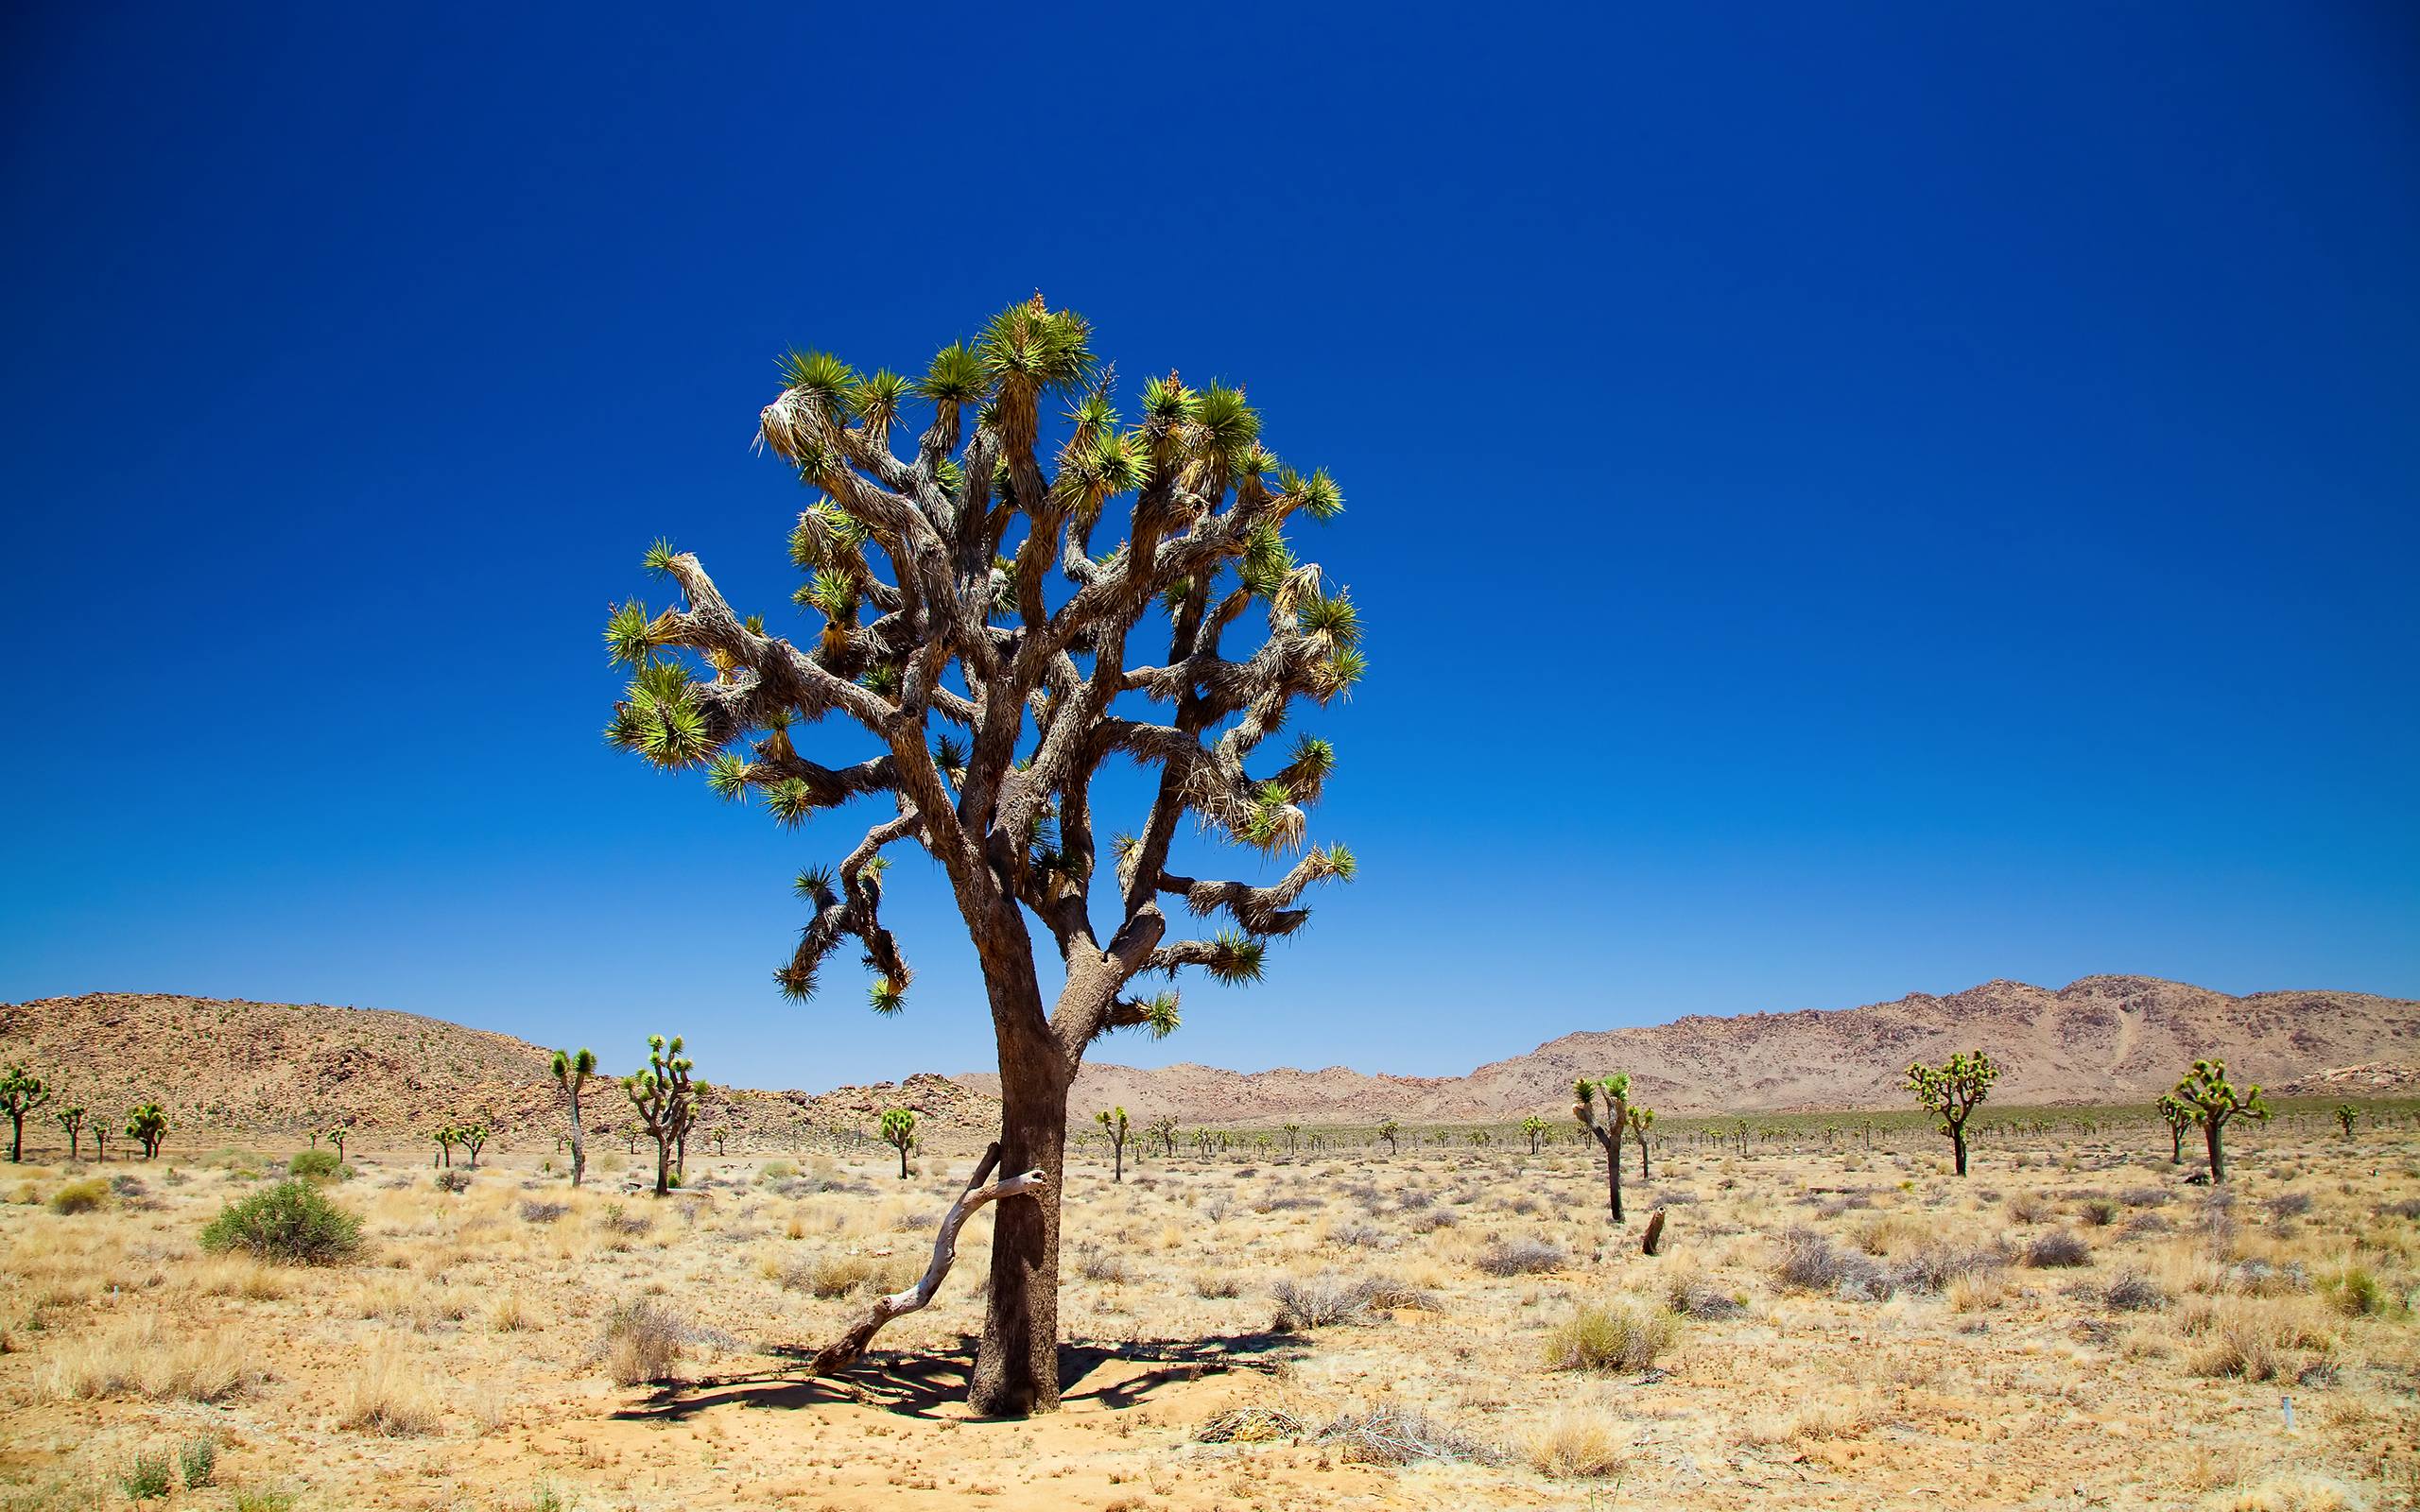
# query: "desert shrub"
[[1215, 1284], [1577, 1445], [145, 1478], [643, 1342], [1320, 1301], [1522, 1257], [2257, 1278], [2134, 1292], [318, 1164], [2289, 1205], [128, 1186], [2354, 1292], [837, 1274], [543, 1212], [81, 1197], [2408, 1208], [1431, 1220], [2253, 1341], [2027, 1207], [392, 1397], [1695, 1296], [265, 1501], [1623, 1337], [2144, 1224], [777, 1170], [291, 1222], [197, 1462], [1813, 1262], [2058, 1250], [1933, 1267], [1359, 1235], [454, 1182], [1392, 1435], [617, 1219], [2098, 1212], [1100, 1265], [2146, 1197]]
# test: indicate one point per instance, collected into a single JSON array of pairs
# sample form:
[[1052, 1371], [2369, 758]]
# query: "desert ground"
[[1834, 1321]]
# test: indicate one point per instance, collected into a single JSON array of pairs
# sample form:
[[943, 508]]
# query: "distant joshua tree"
[[1641, 1120], [472, 1136], [71, 1121], [899, 1132], [1162, 1128], [1951, 1091], [1294, 1139], [1614, 1090], [336, 1136], [1535, 1127], [663, 1096], [2215, 1102], [1388, 1131], [21, 1093], [2346, 1116], [148, 1125], [572, 1070], [444, 1134], [2179, 1118], [1113, 1124]]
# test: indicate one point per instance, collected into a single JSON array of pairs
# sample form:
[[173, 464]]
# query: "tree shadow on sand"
[[919, 1383]]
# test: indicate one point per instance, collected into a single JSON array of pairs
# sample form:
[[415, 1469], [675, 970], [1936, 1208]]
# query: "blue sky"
[[1844, 502]]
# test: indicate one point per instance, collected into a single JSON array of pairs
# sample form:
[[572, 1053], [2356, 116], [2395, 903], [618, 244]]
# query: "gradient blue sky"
[[1847, 501]]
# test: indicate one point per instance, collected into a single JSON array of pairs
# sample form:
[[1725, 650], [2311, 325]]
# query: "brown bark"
[[1017, 1370]]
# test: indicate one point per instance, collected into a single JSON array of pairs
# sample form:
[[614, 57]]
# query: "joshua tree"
[[721, 1134], [1641, 1120], [21, 1093], [572, 1070], [1112, 1129], [2215, 1102], [944, 638], [661, 1093], [445, 1134], [1535, 1127], [899, 1132], [71, 1120], [1614, 1090], [336, 1136], [1387, 1130], [472, 1136], [101, 1141], [2179, 1118], [2346, 1116], [1162, 1128], [1294, 1139], [1951, 1091], [147, 1124]]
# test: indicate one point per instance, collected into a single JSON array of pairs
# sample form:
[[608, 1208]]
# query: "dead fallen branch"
[[844, 1351]]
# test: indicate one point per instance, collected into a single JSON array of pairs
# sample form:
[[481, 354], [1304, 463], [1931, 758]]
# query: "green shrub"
[[197, 1459], [289, 1223], [146, 1477], [81, 1197], [1623, 1337], [455, 1181], [319, 1166], [265, 1501]]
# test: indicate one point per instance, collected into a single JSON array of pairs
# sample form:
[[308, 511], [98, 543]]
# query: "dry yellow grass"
[[624, 1350]]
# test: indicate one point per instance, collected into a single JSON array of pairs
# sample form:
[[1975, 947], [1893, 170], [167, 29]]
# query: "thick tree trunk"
[[1017, 1371], [1642, 1158], [17, 1140], [1958, 1147], [2176, 1145], [662, 1167], [2218, 1152]]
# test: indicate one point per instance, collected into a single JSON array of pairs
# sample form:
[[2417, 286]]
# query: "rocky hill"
[[2100, 1040], [236, 1068]]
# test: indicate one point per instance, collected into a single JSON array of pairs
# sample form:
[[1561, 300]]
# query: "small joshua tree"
[[1294, 1139], [101, 1141], [572, 1070], [472, 1136], [21, 1093], [445, 1134], [1535, 1127], [336, 1136], [1614, 1090], [1951, 1091], [899, 1132], [1113, 1125], [1388, 1131], [2346, 1116], [148, 1125], [1162, 1128], [71, 1121], [2215, 1103], [663, 1096], [1641, 1120], [2179, 1118]]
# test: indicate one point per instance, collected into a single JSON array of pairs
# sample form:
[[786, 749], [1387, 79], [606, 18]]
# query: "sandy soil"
[[1896, 1349]]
